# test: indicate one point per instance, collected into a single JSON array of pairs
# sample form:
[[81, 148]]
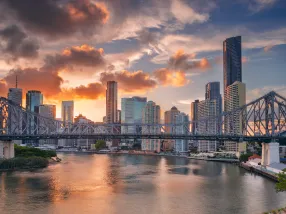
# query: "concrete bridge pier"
[[270, 153], [7, 149]]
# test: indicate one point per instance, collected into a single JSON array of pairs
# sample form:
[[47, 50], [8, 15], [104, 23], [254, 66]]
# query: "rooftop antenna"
[[16, 82]]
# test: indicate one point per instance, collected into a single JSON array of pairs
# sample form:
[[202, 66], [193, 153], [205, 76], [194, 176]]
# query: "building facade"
[[232, 69], [170, 118], [111, 102], [15, 95], [207, 109], [194, 114], [182, 146], [213, 93], [68, 111], [151, 114], [235, 97]]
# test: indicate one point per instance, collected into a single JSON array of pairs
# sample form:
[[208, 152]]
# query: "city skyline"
[[176, 50]]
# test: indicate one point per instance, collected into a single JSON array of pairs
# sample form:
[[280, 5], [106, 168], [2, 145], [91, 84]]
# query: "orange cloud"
[[136, 81], [168, 77]]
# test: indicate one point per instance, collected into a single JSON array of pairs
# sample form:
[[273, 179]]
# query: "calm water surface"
[[137, 184]]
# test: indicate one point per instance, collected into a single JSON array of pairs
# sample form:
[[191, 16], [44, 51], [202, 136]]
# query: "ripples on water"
[[126, 184]]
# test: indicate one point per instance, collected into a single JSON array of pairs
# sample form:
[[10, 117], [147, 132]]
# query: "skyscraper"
[[194, 114], [151, 115], [111, 102], [235, 97], [131, 112], [68, 111], [232, 61], [15, 95], [170, 118], [213, 93], [33, 99], [181, 145]]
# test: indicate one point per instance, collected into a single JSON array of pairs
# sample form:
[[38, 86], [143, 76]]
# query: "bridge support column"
[[7, 149], [270, 153]]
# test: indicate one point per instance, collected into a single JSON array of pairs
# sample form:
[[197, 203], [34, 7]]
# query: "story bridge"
[[262, 120]]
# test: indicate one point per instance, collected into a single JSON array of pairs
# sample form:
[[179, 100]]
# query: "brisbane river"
[[129, 184]]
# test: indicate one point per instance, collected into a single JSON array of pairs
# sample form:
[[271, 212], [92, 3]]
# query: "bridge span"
[[262, 120]]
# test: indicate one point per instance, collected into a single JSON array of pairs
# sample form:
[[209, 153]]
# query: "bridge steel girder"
[[261, 119]]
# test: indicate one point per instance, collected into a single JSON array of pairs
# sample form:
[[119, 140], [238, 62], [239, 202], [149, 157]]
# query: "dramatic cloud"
[[182, 61], [83, 55], [57, 18], [33, 79], [17, 44], [91, 91], [167, 77], [3, 88], [136, 81]]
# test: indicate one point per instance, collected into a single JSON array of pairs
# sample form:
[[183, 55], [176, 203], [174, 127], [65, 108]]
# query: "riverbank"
[[260, 171], [227, 160]]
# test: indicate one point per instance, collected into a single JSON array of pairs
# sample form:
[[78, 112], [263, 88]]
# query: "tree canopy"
[[281, 184], [100, 144]]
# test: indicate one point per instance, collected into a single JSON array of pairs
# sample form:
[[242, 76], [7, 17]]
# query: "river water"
[[129, 184]]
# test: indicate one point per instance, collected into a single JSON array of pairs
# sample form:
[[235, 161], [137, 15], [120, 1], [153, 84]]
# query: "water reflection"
[[136, 184]]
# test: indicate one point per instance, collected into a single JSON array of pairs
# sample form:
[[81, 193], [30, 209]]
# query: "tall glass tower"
[[33, 99], [232, 61]]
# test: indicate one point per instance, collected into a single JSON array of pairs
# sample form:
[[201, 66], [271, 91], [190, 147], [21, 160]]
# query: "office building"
[[232, 70], [33, 99], [151, 115], [68, 111], [83, 143], [213, 93], [46, 110], [131, 112], [235, 97], [15, 95], [170, 118], [181, 145], [111, 102], [194, 114]]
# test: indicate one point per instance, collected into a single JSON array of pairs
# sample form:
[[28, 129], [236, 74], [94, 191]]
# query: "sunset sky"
[[166, 50]]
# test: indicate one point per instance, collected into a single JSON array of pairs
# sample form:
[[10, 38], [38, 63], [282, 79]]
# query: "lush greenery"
[[244, 157], [100, 144], [278, 211], [21, 151], [23, 163], [281, 184]]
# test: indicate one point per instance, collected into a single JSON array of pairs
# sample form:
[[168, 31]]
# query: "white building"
[[182, 146], [208, 109], [151, 115], [234, 97]]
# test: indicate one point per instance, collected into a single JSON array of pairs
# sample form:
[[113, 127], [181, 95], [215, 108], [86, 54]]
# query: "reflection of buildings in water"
[[179, 170]]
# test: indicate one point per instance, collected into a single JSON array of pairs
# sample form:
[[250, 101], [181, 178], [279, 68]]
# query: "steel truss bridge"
[[262, 120]]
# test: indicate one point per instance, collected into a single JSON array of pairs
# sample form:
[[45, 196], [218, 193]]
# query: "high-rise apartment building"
[[15, 95], [207, 109], [235, 97], [232, 70], [68, 111], [194, 114], [151, 115], [170, 118], [181, 145], [131, 112], [111, 102]]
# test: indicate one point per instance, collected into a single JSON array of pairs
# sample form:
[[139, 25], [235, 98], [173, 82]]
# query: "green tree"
[[100, 144], [281, 184], [244, 157]]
